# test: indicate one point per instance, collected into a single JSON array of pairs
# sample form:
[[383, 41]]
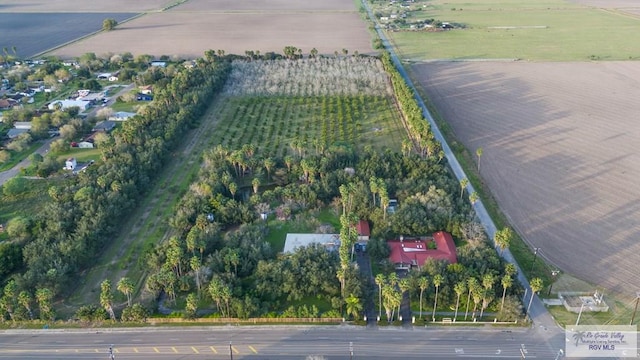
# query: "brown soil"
[[190, 34], [82, 6], [560, 155]]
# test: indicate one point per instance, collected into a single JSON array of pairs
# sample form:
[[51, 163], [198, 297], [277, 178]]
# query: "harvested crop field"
[[33, 33], [20, 6], [190, 34], [560, 155], [261, 5]]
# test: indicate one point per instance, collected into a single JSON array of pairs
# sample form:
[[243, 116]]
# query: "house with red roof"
[[362, 227], [414, 252]]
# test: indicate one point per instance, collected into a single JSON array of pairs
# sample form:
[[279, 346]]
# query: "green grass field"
[[538, 31]]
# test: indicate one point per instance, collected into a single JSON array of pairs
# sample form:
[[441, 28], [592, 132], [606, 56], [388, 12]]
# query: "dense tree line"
[[85, 212]]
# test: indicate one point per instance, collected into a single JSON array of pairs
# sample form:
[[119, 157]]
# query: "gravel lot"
[[560, 155]]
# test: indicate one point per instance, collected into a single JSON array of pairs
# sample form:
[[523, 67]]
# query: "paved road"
[[267, 342], [8, 174]]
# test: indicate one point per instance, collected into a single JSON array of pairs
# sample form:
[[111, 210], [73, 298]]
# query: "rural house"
[[363, 231], [67, 104], [147, 89], [105, 126], [407, 253], [294, 241], [122, 116], [70, 164]]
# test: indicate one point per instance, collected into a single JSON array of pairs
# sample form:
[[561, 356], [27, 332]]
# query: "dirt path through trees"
[[148, 223]]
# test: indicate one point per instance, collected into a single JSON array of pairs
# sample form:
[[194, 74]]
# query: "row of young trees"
[[84, 212]]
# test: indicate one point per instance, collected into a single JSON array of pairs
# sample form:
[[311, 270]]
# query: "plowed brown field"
[[189, 29], [561, 155]]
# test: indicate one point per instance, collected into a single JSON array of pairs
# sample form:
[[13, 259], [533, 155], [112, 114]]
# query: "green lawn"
[[16, 157], [81, 155], [538, 31], [34, 196]]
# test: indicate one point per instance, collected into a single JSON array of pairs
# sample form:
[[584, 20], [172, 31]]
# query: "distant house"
[[86, 144], [104, 76], [122, 116], [294, 241], [159, 63], [407, 253], [147, 89], [144, 97], [5, 104], [22, 125], [113, 78], [67, 104], [105, 126], [363, 231], [13, 133], [70, 164], [84, 93]]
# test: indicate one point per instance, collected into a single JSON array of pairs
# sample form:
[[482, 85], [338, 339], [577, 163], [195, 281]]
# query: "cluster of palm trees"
[[480, 292]]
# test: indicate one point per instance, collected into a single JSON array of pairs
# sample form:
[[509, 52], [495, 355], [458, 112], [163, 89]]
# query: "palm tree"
[[474, 197], [487, 297], [437, 281], [43, 297], [487, 281], [233, 188], [353, 306], [502, 239], [477, 298], [404, 286], [125, 286], [479, 153], [510, 269], [536, 285], [506, 283], [423, 283], [380, 281], [463, 184], [256, 185], [106, 298], [24, 299], [373, 186], [460, 288], [472, 285]]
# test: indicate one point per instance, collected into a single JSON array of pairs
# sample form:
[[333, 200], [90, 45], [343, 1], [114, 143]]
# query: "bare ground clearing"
[[82, 6], [560, 155], [191, 34]]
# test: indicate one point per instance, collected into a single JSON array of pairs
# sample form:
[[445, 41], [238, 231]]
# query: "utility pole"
[[535, 255], [633, 317], [554, 273]]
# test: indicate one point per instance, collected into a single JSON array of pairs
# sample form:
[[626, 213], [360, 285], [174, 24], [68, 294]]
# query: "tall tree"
[[24, 299], [463, 185], [506, 283], [472, 285], [536, 285], [479, 153], [43, 297], [487, 297], [502, 238], [106, 298], [459, 288], [437, 281], [423, 283], [126, 286], [353, 306], [380, 281]]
